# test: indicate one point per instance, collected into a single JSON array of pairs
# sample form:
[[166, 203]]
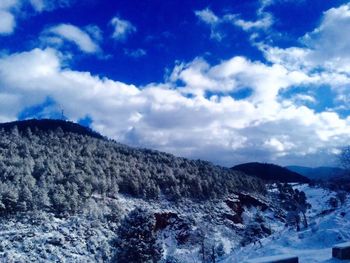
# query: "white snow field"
[[310, 245]]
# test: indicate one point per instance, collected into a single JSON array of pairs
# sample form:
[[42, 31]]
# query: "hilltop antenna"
[[62, 112]]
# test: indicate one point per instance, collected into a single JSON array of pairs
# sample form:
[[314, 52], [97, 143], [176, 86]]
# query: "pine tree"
[[295, 203], [137, 241]]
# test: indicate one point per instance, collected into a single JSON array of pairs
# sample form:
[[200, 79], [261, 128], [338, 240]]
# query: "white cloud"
[[7, 4], [7, 23], [263, 22], [207, 16], [278, 145], [194, 113], [213, 21], [48, 5], [7, 19], [73, 34], [235, 74], [122, 28], [326, 48], [323, 55], [329, 43], [305, 98], [163, 116], [38, 5], [95, 32], [10, 10]]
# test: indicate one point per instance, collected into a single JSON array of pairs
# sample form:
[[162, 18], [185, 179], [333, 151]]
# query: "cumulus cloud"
[[329, 42], [323, 54], [67, 32], [164, 117], [236, 74], [194, 112], [121, 28], [327, 47]]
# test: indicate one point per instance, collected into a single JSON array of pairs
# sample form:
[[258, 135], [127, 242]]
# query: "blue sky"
[[226, 81]]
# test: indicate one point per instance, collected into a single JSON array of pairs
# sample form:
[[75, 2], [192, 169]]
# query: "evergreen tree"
[[137, 241], [295, 203]]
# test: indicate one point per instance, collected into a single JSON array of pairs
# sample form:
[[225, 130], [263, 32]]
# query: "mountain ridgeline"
[[271, 172], [319, 173], [57, 166]]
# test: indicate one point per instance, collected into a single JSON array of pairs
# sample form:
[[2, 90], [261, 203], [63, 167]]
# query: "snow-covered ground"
[[311, 245], [46, 238]]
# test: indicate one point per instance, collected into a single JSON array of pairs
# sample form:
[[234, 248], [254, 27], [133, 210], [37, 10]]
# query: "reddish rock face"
[[180, 226], [237, 206]]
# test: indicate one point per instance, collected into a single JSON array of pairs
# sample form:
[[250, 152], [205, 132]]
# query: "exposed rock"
[[165, 219]]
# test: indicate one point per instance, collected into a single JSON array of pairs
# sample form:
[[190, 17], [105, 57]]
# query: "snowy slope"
[[44, 237], [85, 238], [311, 245]]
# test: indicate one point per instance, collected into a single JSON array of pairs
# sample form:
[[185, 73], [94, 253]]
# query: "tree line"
[[59, 170]]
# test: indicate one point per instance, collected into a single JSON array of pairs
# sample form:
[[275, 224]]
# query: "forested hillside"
[[57, 166], [69, 194], [271, 172]]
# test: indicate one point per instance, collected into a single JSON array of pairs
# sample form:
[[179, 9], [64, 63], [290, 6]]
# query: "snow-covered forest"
[[68, 194], [59, 171]]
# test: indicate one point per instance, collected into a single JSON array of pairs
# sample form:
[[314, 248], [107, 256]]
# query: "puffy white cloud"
[[326, 48], [323, 55], [279, 146], [67, 32], [236, 74], [195, 112], [121, 28], [216, 127], [329, 43]]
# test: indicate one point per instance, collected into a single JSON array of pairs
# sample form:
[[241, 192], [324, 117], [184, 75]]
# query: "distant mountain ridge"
[[50, 125], [318, 173], [270, 172]]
